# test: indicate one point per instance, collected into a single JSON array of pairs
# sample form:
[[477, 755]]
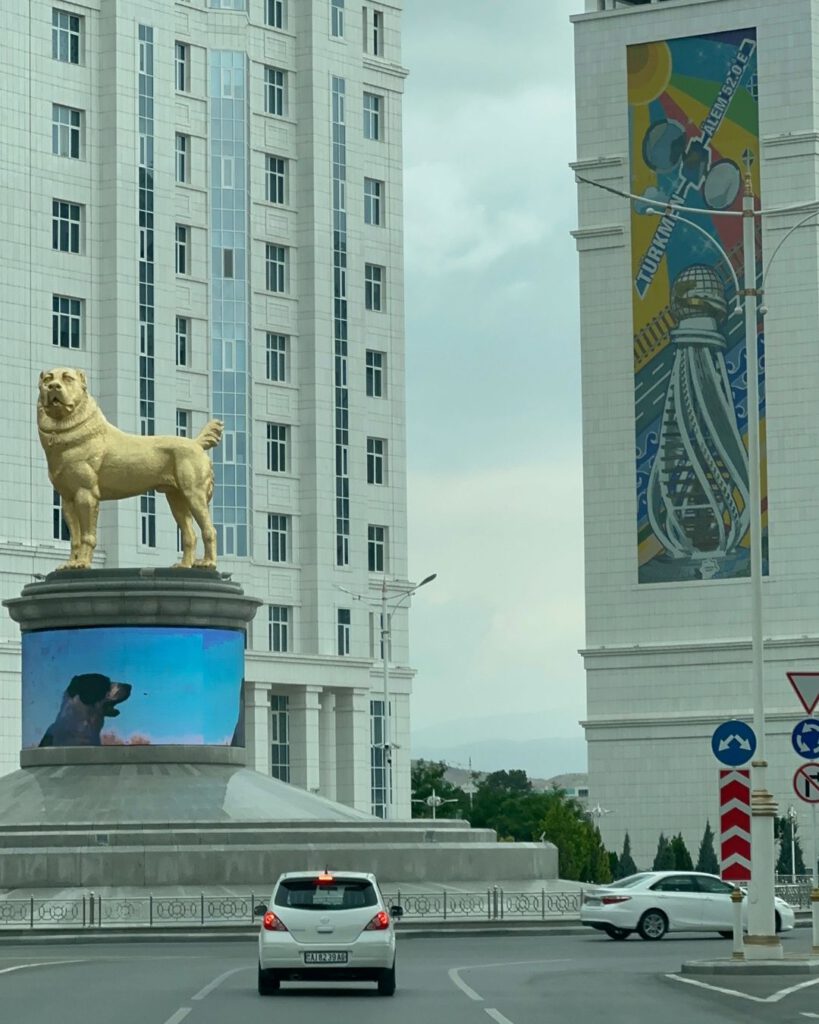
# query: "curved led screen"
[[132, 686]]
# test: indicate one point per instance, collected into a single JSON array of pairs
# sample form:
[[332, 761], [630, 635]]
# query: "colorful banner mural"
[[693, 135]]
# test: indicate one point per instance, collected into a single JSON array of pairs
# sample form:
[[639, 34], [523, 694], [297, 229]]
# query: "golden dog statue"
[[90, 461]]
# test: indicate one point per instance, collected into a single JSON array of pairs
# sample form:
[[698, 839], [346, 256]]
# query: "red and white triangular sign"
[[806, 687]]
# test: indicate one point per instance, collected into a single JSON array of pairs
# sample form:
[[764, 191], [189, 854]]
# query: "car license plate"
[[325, 957]]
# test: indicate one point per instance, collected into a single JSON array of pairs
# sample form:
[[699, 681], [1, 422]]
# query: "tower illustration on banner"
[[698, 486]]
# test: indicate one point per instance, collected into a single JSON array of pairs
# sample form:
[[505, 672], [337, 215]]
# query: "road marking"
[[773, 998], [41, 963], [462, 985], [180, 1014], [454, 973], [206, 991], [497, 1015], [814, 1015]]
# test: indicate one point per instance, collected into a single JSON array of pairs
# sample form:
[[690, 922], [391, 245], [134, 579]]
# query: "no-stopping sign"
[[806, 782]]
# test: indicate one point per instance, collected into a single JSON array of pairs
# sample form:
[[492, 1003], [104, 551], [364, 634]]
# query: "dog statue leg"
[[201, 513], [182, 516]]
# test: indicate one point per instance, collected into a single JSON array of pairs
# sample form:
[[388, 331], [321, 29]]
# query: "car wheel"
[[653, 925], [777, 922], [727, 935], [268, 982], [386, 982], [616, 933]]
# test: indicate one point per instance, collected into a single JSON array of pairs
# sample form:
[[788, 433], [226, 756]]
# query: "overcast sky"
[[495, 503]]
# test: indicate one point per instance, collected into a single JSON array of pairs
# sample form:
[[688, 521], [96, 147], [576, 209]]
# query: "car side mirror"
[[397, 912], [259, 910]]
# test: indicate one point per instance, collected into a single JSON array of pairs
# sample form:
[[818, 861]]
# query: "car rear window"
[[312, 894], [626, 883]]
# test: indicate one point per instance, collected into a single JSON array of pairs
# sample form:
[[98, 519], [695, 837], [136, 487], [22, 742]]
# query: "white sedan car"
[[326, 926], [652, 903]]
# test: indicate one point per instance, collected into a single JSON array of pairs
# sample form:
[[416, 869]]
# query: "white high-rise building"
[[203, 211], [676, 101]]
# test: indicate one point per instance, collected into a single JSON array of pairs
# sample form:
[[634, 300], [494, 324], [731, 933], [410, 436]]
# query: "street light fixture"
[[386, 636], [761, 941]]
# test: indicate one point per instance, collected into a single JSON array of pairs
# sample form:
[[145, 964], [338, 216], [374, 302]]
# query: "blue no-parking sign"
[[733, 743], [805, 738]]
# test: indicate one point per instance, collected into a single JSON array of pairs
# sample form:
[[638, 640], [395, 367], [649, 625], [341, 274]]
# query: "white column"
[[353, 748], [303, 709], [327, 745], [257, 727]]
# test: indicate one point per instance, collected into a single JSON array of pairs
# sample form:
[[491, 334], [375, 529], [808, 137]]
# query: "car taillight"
[[271, 923], [379, 922], [608, 900]]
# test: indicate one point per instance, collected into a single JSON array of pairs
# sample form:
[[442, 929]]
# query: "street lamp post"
[[761, 941], [386, 635]]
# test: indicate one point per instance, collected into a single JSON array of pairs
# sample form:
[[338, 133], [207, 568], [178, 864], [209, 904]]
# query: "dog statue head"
[[61, 391], [98, 690]]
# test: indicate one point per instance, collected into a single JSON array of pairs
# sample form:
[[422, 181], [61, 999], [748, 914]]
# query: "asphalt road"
[[441, 980]]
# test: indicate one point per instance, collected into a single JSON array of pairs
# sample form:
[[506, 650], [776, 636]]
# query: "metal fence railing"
[[93, 910]]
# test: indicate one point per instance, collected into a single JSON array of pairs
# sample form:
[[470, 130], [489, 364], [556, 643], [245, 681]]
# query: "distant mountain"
[[539, 758]]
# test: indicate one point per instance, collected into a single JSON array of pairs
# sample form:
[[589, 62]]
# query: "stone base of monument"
[[130, 811]]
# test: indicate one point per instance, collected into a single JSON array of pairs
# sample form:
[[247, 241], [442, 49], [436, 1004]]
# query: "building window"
[[374, 374], [147, 516], [337, 19], [59, 527], [378, 759], [377, 37], [274, 95], [66, 126], [280, 737], [183, 337], [182, 150], [275, 179], [182, 255], [183, 423], [376, 460], [278, 628], [372, 116], [376, 548], [182, 67], [278, 530], [276, 355], [274, 13], [227, 264], [65, 226], [275, 267], [373, 282], [276, 448], [65, 36], [373, 191], [66, 321], [343, 631]]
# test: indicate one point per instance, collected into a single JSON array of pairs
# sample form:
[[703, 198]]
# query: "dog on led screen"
[[87, 701]]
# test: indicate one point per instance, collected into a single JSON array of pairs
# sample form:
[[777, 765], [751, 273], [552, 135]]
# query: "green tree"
[[682, 858], [707, 858], [625, 862], [427, 776], [782, 831], [664, 857], [581, 853]]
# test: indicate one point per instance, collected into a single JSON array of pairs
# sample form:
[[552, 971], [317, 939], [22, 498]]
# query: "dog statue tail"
[[211, 434]]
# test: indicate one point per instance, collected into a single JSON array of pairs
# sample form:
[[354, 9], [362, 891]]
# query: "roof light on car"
[[379, 922], [325, 876], [271, 923], [608, 900]]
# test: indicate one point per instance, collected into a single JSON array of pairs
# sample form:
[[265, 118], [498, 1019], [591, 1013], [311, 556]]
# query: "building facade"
[[204, 211], [682, 101]]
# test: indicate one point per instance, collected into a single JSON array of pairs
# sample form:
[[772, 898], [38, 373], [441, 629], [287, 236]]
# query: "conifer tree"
[[664, 857], [707, 858], [625, 862]]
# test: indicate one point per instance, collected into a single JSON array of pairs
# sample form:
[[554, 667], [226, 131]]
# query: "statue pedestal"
[[149, 804]]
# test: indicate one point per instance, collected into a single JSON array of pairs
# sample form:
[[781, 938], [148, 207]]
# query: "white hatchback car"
[[652, 903], [327, 926]]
